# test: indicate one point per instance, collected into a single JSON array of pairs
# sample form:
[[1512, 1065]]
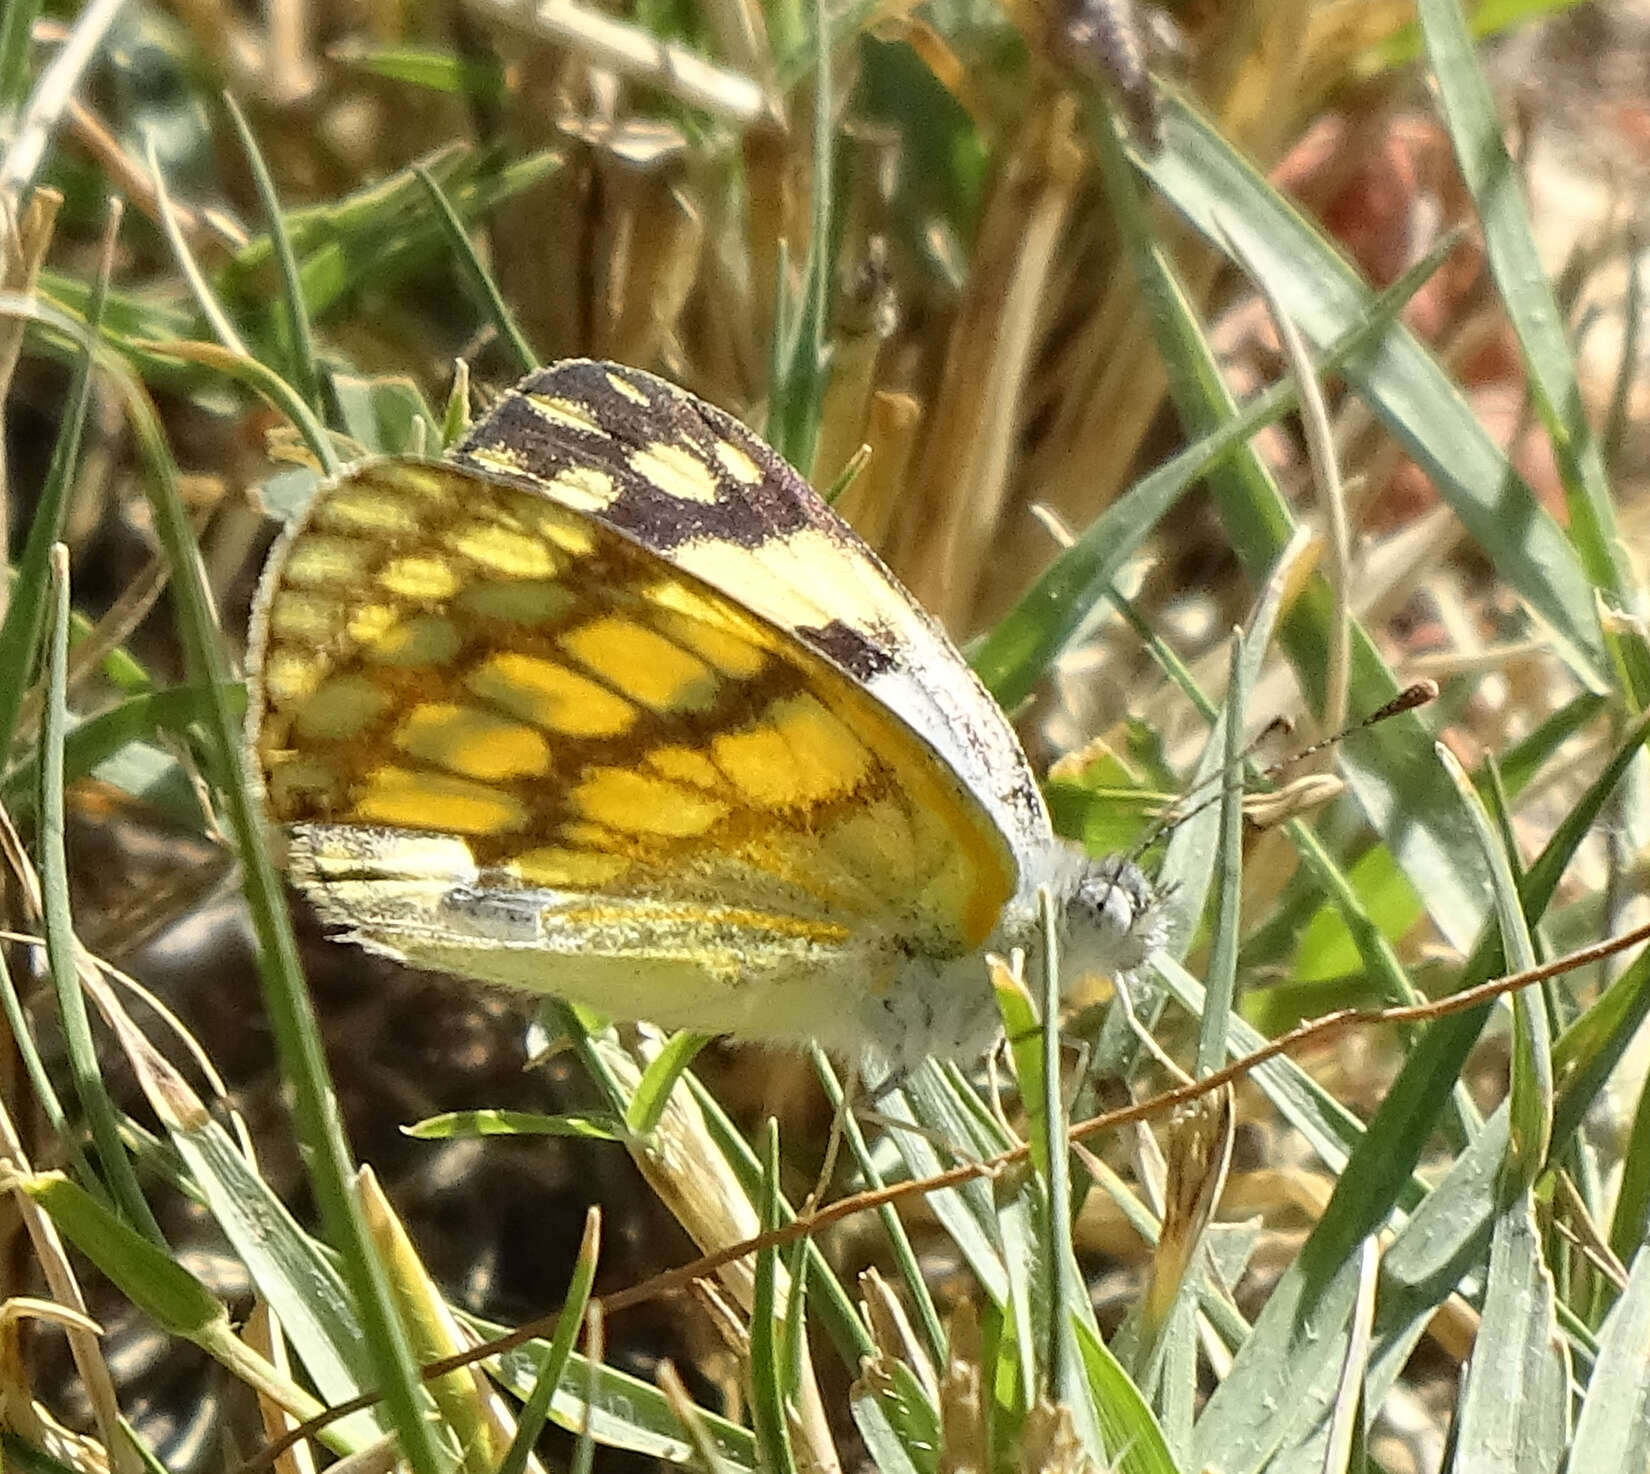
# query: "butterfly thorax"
[[1108, 918]]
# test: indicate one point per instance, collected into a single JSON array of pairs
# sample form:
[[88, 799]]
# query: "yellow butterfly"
[[612, 706]]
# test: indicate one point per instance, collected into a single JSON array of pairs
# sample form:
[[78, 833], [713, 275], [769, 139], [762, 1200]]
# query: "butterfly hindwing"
[[493, 723]]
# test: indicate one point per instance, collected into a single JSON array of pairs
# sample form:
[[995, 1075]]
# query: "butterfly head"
[[1113, 915]]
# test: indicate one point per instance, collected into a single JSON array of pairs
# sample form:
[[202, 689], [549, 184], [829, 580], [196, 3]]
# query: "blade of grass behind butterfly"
[[797, 388], [1031, 636], [383, 238], [16, 50], [480, 279], [351, 217], [401, 245], [1222, 195], [1247, 654], [300, 344], [1390, 769], [652, 1092], [1491, 177], [1177, 1259]]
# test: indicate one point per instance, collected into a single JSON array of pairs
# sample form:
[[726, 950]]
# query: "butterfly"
[[610, 705]]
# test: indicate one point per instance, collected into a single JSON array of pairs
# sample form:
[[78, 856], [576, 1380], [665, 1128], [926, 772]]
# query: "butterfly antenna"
[[1417, 694]]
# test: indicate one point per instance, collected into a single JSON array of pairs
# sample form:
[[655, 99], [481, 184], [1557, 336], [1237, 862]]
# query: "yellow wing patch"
[[449, 654]]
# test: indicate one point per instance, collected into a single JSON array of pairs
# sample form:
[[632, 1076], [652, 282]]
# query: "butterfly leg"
[[833, 1143]]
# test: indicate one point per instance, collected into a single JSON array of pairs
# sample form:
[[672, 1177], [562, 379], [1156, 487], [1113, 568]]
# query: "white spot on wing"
[[677, 471]]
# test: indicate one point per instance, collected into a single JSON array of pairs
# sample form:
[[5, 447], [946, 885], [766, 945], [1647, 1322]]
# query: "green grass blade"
[[472, 1125], [967, 1213], [769, 1393], [1514, 1409], [300, 341], [553, 1365], [1527, 295], [899, 1242], [135, 719], [901, 1431], [1133, 1438], [1228, 873], [1218, 191], [1530, 1100], [624, 1412], [1612, 1434], [659, 1079], [1066, 1293], [478, 276], [16, 56], [263, 380], [291, 1272], [435, 71], [797, 393], [62, 947]]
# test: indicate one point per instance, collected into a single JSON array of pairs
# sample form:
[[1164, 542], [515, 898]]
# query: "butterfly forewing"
[[693, 486]]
